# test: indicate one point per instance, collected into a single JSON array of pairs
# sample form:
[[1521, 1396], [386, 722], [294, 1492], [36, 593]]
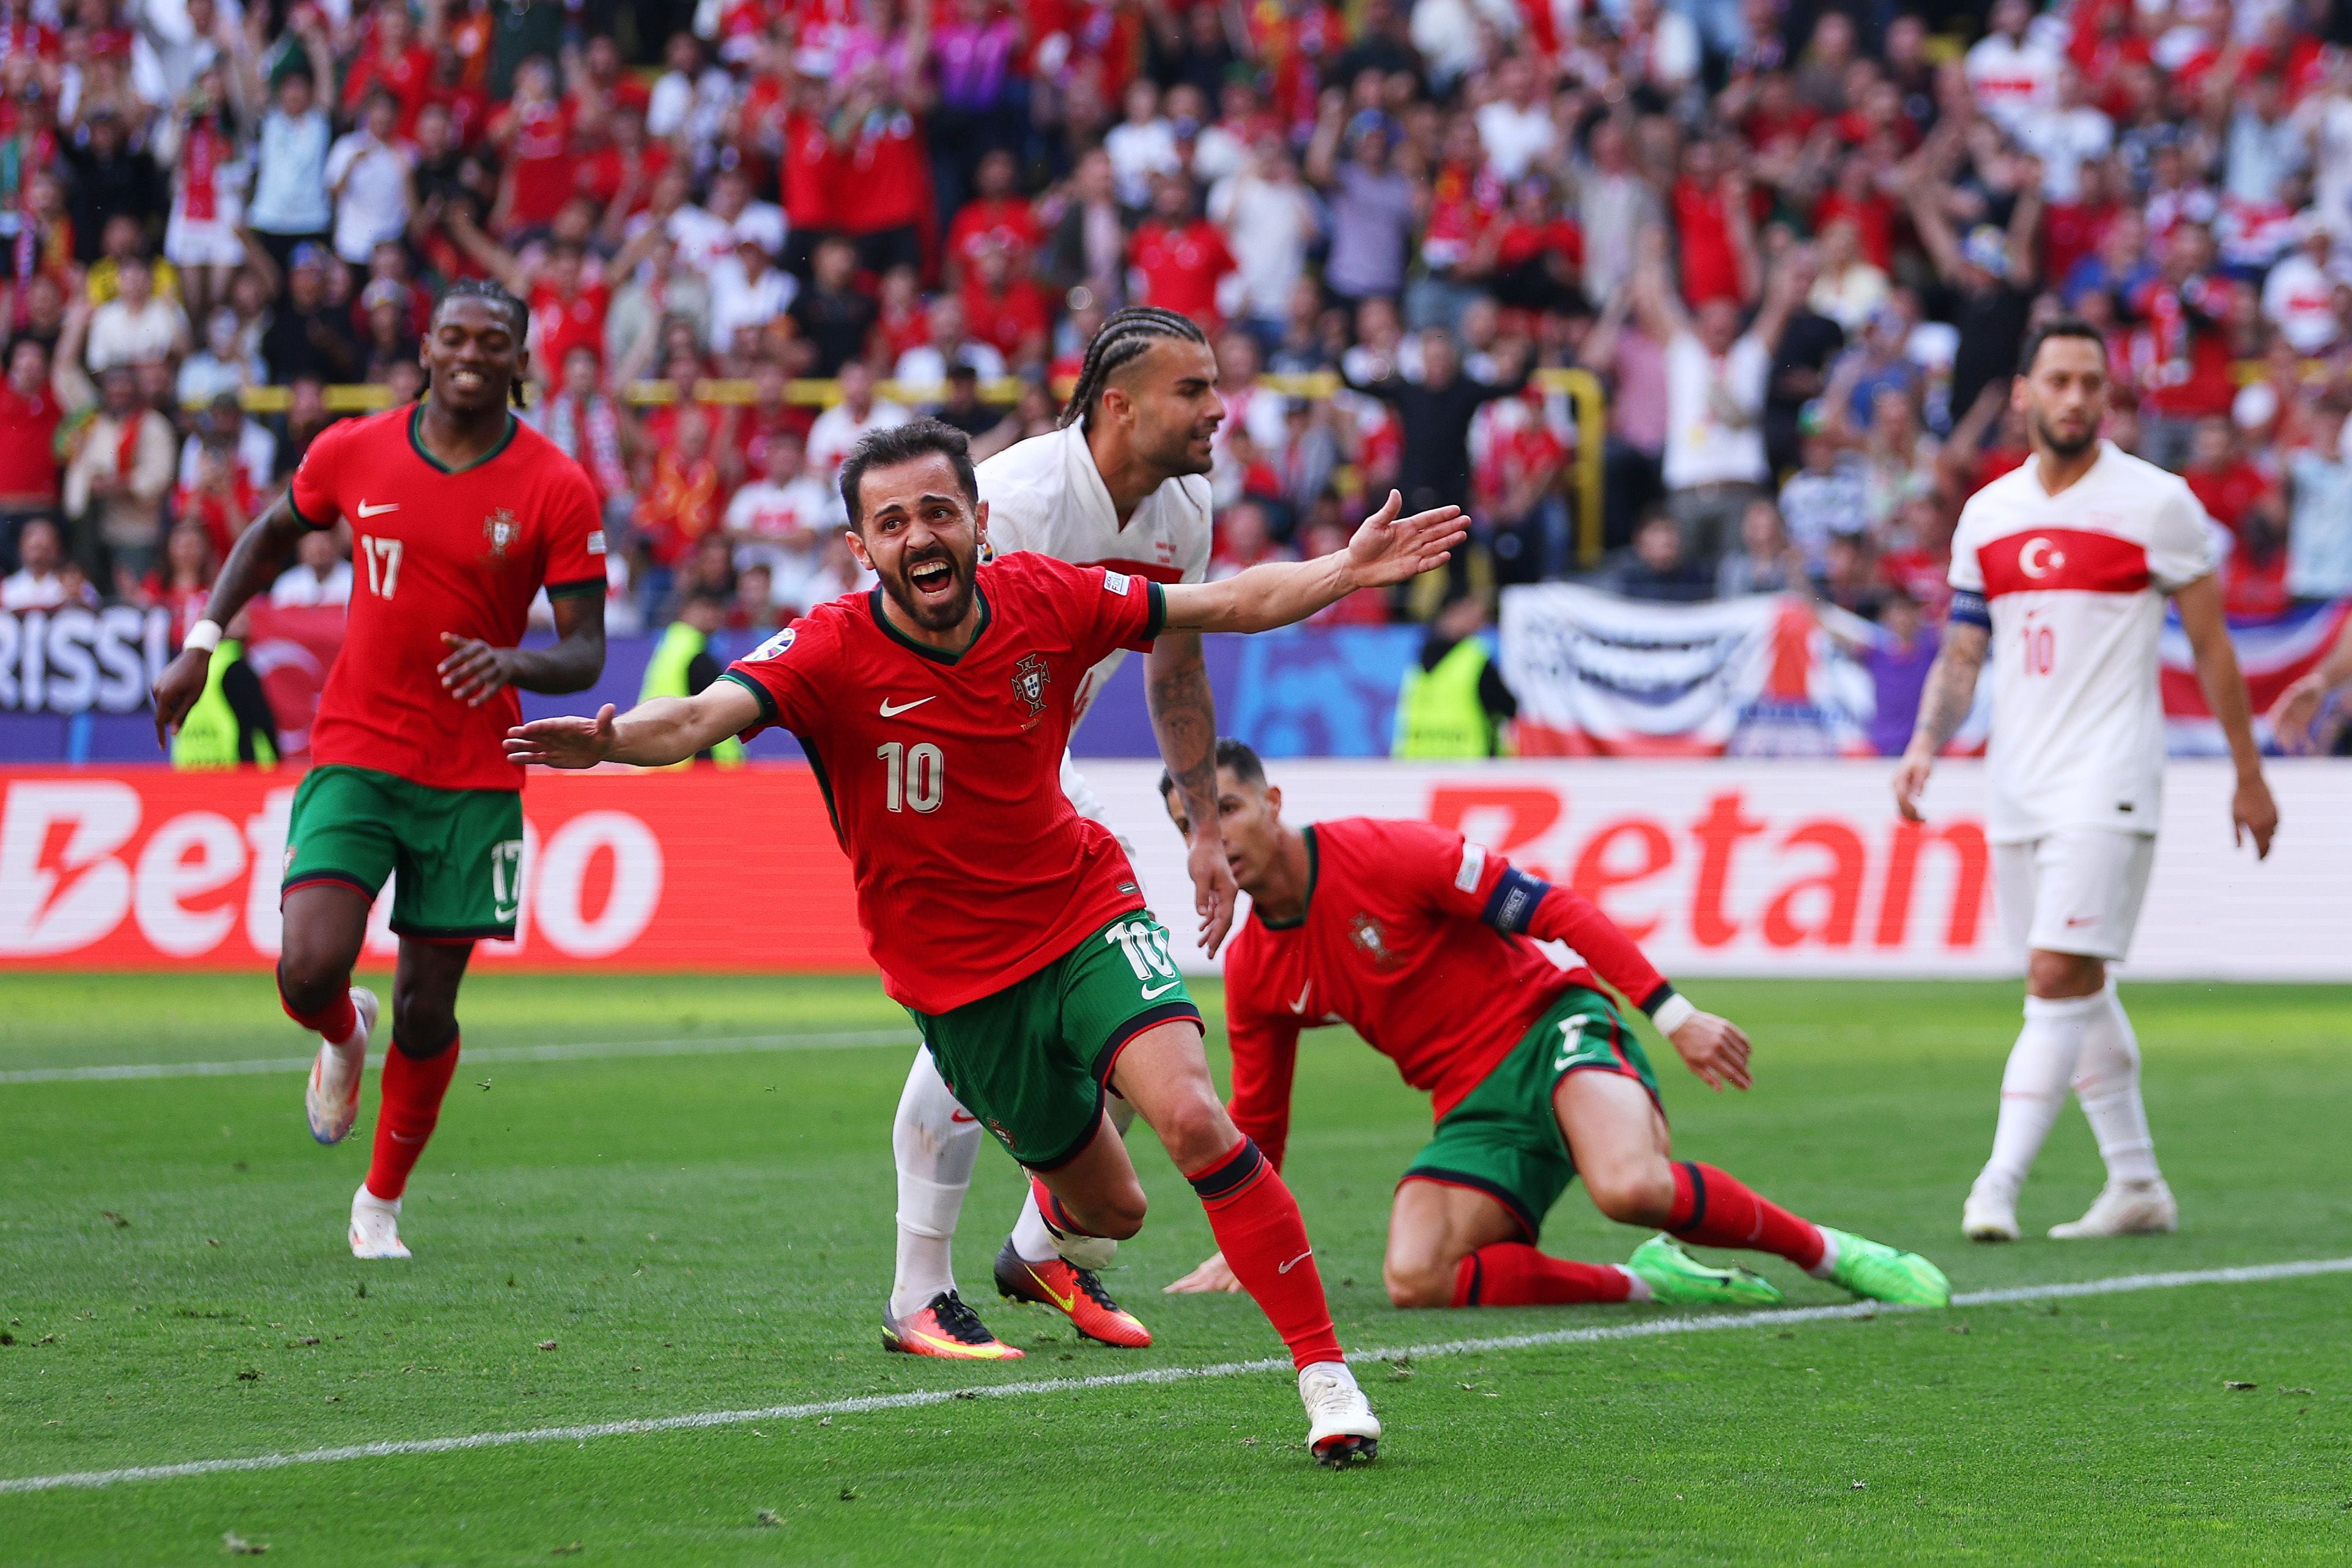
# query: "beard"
[[1174, 456], [2051, 440], [935, 612]]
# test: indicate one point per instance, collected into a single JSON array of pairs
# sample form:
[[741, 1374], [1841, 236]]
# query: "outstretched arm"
[[650, 735], [1384, 551], [1943, 707], [2253, 813], [253, 562], [1184, 719]]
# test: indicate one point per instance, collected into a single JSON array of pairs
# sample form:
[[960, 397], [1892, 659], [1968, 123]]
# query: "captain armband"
[[1968, 609], [1511, 906]]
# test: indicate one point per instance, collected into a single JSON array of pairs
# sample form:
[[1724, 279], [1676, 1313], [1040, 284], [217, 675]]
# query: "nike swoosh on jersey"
[[1152, 991], [1299, 1006], [1294, 1262], [891, 711], [367, 511]]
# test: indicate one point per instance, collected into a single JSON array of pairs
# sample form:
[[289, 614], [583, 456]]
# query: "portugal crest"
[[1030, 677], [498, 531], [1372, 940]]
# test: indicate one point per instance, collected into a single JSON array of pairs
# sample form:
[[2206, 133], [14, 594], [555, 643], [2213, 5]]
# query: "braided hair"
[[1127, 337], [516, 310]]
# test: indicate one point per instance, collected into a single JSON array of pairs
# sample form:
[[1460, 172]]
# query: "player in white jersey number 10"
[[2059, 573]]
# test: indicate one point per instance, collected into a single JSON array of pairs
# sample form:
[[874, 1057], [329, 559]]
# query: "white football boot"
[[2124, 1209], [375, 1225], [332, 1099], [1341, 1427], [1990, 1213]]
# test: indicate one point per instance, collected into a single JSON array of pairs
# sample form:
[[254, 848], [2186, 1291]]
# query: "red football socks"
[[1712, 1209], [334, 1022], [1259, 1229], [411, 1095], [1513, 1274]]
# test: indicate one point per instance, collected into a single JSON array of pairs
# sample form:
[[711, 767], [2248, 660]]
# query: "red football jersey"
[[943, 774], [1395, 944], [437, 551]]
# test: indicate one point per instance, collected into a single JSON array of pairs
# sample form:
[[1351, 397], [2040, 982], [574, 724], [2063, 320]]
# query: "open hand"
[[1212, 1277], [2298, 705], [473, 671], [1715, 1049], [567, 743], [1387, 551]]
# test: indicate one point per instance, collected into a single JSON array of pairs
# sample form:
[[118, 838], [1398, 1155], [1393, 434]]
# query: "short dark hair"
[[904, 444], [1234, 754], [2058, 327]]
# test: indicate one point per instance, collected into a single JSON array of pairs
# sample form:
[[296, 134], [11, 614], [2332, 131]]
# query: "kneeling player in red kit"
[[1424, 944]]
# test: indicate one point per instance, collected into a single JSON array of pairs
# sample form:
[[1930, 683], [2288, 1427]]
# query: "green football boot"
[[1675, 1278], [1878, 1272]]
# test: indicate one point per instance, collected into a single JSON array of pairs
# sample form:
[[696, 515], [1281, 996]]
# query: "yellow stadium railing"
[[1582, 387]]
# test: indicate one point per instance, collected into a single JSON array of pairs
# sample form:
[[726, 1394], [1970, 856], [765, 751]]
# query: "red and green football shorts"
[[1031, 1062], [456, 853], [1504, 1139]]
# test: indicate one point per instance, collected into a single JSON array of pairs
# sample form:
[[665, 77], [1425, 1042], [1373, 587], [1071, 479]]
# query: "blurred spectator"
[[116, 483], [110, 177], [222, 420], [782, 522], [1435, 413], [2299, 295], [1371, 202], [37, 583], [1244, 539], [2319, 519], [308, 336], [219, 501], [962, 408], [185, 584], [320, 575], [1716, 378], [1657, 566], [838, 429], [221, 367], [1269, 221], [290, 203], [681, 499], [367, 175], [1180, 257], [137, 326], [1898, 658], [1765, 561], [923, 371], [29, 413], [591, 428], [832, 316]]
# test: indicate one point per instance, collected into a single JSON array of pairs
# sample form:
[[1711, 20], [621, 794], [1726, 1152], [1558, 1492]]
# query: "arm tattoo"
[[1951, 686], [1184, 719]]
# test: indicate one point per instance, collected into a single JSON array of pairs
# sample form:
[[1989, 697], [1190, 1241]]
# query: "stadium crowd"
[[1798, 246]]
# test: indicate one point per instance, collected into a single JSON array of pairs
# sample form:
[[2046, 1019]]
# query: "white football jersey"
[[2074, 585], [1044, 494]]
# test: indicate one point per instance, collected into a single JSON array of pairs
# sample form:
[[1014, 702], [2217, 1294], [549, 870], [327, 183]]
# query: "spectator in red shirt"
[[1180, 255], [2218, 475], [397, 63], [29, 412], [998, 216], [1002, 308], [810, 176], [533, 133], [1716, 232], [883, 193]]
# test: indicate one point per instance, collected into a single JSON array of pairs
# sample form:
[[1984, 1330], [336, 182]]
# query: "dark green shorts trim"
[[1033, 1062], [1505, 1139]]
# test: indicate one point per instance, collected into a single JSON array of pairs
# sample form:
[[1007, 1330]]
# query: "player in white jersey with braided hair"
[[1121, 484], [2061, 570]]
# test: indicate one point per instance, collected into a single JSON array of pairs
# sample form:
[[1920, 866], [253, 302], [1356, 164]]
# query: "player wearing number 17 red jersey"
[[459, 515], [935, 709], [1424, 943]]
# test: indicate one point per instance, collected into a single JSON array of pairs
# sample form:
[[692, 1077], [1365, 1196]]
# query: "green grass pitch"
[[638, 1235]]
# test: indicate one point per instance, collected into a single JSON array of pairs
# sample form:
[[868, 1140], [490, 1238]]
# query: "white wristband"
[[1674, 1013], [203, 637]]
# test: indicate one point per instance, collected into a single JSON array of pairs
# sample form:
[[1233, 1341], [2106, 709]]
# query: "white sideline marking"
[[719, 1044], [1650, 1328]]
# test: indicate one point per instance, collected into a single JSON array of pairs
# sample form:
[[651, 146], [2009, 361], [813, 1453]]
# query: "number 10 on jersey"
[[917, 776]]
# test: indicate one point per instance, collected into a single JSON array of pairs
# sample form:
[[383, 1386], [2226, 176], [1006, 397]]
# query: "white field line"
[[717, 1044], [1647, 1329]]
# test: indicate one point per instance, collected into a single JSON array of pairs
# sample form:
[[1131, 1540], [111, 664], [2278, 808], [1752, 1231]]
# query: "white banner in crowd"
[[1598, 675], [1803, 869]]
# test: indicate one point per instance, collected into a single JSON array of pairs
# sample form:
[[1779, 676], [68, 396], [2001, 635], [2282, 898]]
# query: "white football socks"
[[2106, 1077], [2033, 1086], [934, 1154]]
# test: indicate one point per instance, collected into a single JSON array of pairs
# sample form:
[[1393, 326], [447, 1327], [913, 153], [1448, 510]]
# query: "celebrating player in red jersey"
[[1424, 944], [460, 514], [935, 709]]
